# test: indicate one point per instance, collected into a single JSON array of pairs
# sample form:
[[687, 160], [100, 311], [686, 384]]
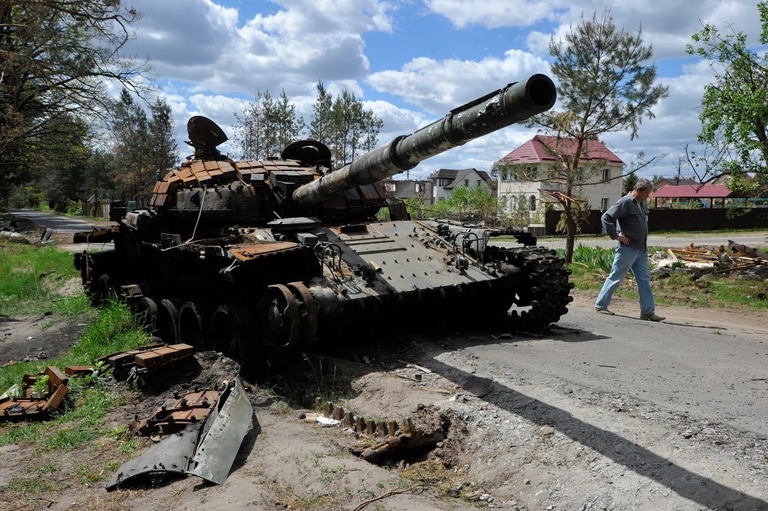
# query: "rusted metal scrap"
[[205, 448], [95, 236], [740, 250], [392, 438], [176, 415], [30, 405], [146, 358]]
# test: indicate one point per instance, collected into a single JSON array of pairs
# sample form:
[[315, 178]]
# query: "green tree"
[[267, 126], [344, 125], [466, 202], [734, 108], [134, 173], [321, 124], [604, 86], [629, 183], [61, 174], [288, 125], [56, 58], [164, 151], [249, 129]]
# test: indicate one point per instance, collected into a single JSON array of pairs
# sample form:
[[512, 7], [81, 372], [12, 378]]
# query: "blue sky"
[[411, 61]]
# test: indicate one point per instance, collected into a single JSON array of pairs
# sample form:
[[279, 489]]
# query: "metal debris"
[[391, 438], [35, 402], [146, 358], [205, 448], [174, 416]]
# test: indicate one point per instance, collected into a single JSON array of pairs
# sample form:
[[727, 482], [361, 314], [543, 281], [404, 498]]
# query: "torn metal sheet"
[[206, 448], [170, 456], [226, 429]]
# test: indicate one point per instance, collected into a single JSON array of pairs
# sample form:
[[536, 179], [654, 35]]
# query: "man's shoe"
[[603, 310], [652, 317]]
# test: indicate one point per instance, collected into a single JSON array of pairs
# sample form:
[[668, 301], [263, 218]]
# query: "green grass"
[[591, 265], [31, 281]]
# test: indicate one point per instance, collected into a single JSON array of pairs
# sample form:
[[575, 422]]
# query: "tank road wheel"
[[235, 333], [145, 311], [167, 324], [104, 290], [192, 326], [283, 320]]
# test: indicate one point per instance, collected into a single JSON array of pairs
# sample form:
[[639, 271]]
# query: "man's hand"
[[622, 239]]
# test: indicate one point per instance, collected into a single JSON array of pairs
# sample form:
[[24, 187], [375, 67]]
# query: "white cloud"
[[495, 14], [438, 86]]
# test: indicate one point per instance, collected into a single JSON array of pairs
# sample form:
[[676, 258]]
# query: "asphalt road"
[[710, 371], [63, 227], [59, 223]]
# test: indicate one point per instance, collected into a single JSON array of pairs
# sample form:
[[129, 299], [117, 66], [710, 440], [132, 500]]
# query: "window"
[[477, 183], [532, 202], [418, 187], [466, 182], [603, 204], [390, 187], [606, 175]]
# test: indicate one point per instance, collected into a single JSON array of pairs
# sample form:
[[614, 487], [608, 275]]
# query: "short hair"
[[642, 184]]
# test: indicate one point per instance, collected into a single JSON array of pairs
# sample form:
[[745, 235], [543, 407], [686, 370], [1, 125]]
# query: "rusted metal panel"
[[176, 415], [32, 406], [248, 252], [149, 358], [158, 199], [163, 355]]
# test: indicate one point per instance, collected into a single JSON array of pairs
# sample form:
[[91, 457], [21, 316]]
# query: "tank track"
[[545, 291]]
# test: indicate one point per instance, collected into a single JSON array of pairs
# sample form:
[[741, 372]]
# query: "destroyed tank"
[[260, 258]]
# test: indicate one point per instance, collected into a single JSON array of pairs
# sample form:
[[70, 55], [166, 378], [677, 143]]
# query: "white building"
[[446, 180], [528, 175]]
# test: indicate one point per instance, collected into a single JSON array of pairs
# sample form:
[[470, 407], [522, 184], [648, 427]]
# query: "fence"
[[676, 220]]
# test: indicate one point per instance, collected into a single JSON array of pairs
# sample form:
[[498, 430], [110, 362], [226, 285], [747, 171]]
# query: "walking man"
[[627, 223]]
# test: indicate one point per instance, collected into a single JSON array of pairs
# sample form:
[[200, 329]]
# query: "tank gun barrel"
[[514, 103]]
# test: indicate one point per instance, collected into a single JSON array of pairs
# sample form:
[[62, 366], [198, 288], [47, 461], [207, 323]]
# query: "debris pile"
[[733, 258], [38, 394]]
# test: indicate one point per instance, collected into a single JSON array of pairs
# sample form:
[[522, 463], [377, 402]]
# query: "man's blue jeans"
[[627, 258]]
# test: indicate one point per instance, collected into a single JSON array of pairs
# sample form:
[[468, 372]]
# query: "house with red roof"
[[528, 175]]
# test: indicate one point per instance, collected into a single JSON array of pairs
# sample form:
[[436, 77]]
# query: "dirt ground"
[[613, 453]]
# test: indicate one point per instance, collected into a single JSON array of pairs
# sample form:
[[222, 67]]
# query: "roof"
[[458, 176], [535, 151], [707, 191]]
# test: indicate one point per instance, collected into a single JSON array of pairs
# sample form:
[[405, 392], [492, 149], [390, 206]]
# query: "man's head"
[[642, 190]]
